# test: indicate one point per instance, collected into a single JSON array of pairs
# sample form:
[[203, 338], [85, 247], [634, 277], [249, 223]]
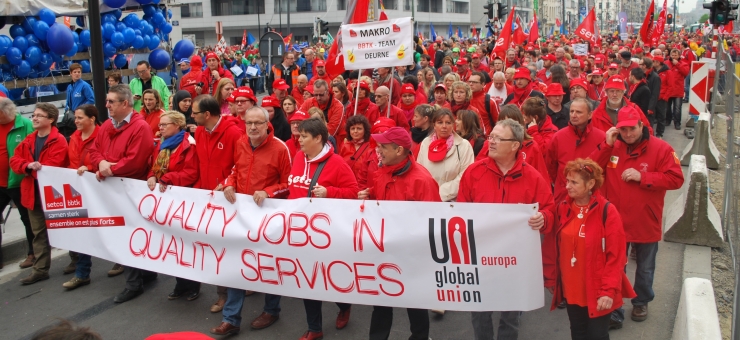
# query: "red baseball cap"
[[407, 88], [308, 89], [522, 73], [280, 84], [231, 98], [578, 82], [437, 150], [615, 83], [598, 59], [627, 116], [211, 55], [475, 55], [320, 63], [245, 92], [299, 116], [554, 89], [597, 72], [396, 135], [364, 86], [549, 57], [270, 101], [613, 65], [440, 86], [658, 58], [382, 125], [461, 61]]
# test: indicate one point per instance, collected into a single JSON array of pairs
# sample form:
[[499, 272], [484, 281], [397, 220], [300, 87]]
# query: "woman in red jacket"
[[86, 120], [319, 172], [539, 125], [364, 106], [679, 67], [585, 265], [151, 110], [175, 162], [45, 146], [357, 148]]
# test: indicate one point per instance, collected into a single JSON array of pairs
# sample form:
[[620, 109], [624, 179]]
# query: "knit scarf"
[[405, 107], [162, 163], [457, 107], [361, 106]]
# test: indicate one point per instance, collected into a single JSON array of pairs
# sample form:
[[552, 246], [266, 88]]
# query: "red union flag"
[[647, 25], [660, 25], [504, 37], [587, 29]]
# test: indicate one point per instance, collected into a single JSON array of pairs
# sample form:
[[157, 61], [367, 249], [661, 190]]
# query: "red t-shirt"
[[4, 159], [573, 245]]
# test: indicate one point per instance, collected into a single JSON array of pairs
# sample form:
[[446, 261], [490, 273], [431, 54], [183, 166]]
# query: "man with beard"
[[523, 88], [605, 115], [544, 74], [627, 64]]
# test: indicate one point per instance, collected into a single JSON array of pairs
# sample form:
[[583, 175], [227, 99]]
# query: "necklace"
[[580, 216]]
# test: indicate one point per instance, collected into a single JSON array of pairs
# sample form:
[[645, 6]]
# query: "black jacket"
[[641, 96], [653, 82]]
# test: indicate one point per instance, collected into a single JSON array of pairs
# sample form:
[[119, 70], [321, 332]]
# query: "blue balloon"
[[115, 3], [146, 29], [17, 30], [107, 17], [106, 63], [120, 26], [85, 38], [147, 39], [85, 66], [28, 24], [109, 50], [117, 39], [48, 16], [5, 43], [156, 2], [57, 58], [159, 59], [153, 42], [137, 31], [129, 35], [33, 40], [45, 62], [149, 9], [120, 61], [132, 20], [41, 29], [72, 51], [166, 28], [33, 55], [23, 69], [183, 49], [75, 37], [20, 43], [108, 30], [138, 42], [158, 19], [117, 13], [60, 39], [144, 2], [169, 14], [14, 56], [80, 21]]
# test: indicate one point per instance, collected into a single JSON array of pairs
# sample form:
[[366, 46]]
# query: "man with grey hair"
[[487, 182], [13, 130], [308, 64], [560, 55], [574, 69], [122, 148], [499, 91]]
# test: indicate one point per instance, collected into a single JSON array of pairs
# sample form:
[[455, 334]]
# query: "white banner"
[[459, 256], [378, 44], [580, 49]]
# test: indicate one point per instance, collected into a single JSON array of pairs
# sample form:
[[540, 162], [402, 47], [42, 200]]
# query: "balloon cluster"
[[121, 33]]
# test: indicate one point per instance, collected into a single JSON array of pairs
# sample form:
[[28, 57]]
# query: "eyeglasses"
[[163, 125], [108, 101], [199, 112], [497, 139], [39, 116], [142, 72], [241, 101], [255, 123]]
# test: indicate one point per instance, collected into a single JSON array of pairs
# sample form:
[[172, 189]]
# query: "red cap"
[[627, 116], [615, 83], [245, 92], [530, 48], [396, 135], [638, 50], [598, 59], [475, 55], [462, 61], [578, 82], [231, 98], [280, 84], [407, 88], [382, 125], [308, 89], [364, 86], [299, 116], [658, 58], [211, 55], [550, 57], [557, 44], [597, 72], [522, 73], [438, 86], [614, 66], [270, 101], [555, 89], [320, 63], [437, 150]]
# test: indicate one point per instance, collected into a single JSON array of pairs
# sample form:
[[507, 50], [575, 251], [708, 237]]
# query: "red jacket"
[[542, 76], [543, 132], [368, 168], [267, 167], [405, 181], [336, 177], [130, 147], [567, 145], [479, 102], [182, 170], [605, 255], [357, 160], [395, 90], [532, 153], [53, 153], [396, 114], [678, 74], [601, 120], [216, 152], [79, 150], [297, 95], [483, 182], [153, 120], [370, 110], [193, 77], [336, 117], [293, 147], [641, 204], [207, 78], [597, 92], [624, 72], [316, 77]]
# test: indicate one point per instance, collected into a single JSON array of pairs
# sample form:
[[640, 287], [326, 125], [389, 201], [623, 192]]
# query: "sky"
[[684, 5]]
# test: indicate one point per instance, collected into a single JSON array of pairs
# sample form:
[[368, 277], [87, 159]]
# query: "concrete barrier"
[[692, 218], [696, 317], [702, 144]]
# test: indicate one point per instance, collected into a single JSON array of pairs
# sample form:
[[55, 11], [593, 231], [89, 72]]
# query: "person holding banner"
[[123, 148], [319, 172], [589, 254], [261, 169], [503, 178], [400, 178], [45, 146]]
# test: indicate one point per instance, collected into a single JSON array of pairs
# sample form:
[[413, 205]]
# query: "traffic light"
[[502, 11], [489, 11], [720, 12], [323, 27], [669, 19]]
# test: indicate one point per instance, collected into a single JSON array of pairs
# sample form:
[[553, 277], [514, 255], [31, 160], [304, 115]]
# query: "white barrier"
[[696, 318], [702, 144]]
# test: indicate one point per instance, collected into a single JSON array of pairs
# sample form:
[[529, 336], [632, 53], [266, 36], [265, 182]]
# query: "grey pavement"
[[26, 309]]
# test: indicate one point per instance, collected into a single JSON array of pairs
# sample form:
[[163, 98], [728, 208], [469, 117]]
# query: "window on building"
[[228, 7], [302, 6], [433, 6], [458, 7], [341, 5], [407, 4], [192, 10], [390, 4]]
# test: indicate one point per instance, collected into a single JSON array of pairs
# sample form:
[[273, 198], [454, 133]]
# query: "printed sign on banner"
[[378, 44], [461, 256], [580, 49]]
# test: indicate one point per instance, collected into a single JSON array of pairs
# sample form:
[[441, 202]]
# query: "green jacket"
[[157, 84], [22, 128]]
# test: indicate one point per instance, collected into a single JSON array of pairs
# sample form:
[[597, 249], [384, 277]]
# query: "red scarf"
[[405, 107], [457, 107], [520, 95], [361, 106]]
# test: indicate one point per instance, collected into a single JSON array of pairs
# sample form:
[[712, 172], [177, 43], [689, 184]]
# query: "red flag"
[[475, 34], [730, 27], [382, 12], [287, 39], [557, 22], [504, 37], [660, 25], [356, 14], [587, 29], [647, 24], [519, 36], [244, 39], [534, 30]]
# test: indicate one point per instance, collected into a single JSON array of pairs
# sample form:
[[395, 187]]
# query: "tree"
[[704, 18]]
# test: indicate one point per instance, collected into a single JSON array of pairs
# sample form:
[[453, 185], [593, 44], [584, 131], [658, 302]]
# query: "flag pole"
[[390, 95], [357, 90]]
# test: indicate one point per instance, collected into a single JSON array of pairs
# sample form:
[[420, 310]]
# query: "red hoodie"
[[130, 147], [216, 152], [543, 132], [53, 153], [79, 150], [336, 177], [193, 77]]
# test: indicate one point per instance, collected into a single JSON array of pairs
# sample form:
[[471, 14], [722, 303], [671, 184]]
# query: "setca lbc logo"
[[68, 205]]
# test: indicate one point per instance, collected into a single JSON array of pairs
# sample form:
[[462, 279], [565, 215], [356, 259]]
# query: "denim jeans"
[[272, 304], [232, 312], [686, 83], [644, 275], [313, 313], [675, 104], [508, 327], [84, 263]]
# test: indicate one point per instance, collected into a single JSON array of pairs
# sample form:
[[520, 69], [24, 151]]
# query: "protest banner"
[[378, 44], [580, 49], [453, 256]]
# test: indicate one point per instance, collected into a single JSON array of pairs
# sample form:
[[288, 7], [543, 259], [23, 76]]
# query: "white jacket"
[[448, 172]]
